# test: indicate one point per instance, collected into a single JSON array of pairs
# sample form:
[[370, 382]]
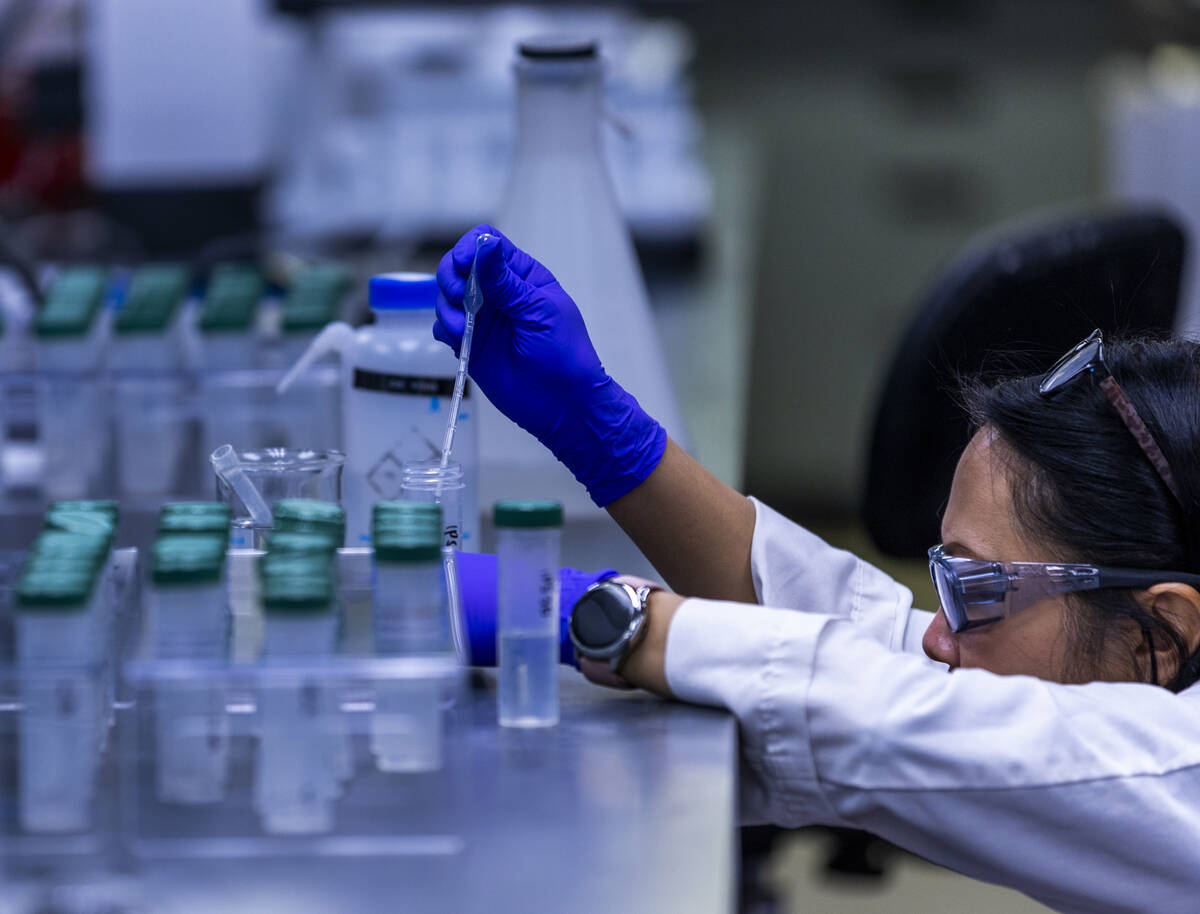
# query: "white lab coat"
[[1085, 797]]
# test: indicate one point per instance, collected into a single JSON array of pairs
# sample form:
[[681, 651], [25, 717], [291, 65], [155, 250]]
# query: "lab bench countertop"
[[629, 804]]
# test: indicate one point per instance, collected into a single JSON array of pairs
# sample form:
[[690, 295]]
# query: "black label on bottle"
[[413, 385]]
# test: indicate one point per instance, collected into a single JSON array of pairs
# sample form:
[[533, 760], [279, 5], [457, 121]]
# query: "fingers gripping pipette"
[[472, 301]]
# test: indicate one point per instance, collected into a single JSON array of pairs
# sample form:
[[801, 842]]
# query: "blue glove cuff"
[[477, 573], [611, 445]]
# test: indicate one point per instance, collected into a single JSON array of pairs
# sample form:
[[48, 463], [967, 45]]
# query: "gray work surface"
[[629, 804]]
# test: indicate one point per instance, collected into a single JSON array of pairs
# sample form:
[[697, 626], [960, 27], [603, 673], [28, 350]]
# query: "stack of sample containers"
[[304, 753], [64, 617], [189, 622]]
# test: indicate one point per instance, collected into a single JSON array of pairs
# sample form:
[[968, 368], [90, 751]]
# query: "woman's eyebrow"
[[959, 549]]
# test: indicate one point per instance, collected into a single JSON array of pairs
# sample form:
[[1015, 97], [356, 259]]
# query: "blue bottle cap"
[[408, 291]]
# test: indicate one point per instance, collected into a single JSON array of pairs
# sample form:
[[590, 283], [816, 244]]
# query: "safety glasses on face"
[[975, 592]]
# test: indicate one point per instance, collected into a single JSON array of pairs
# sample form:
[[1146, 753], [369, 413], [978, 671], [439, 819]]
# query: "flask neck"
[[558, 108]]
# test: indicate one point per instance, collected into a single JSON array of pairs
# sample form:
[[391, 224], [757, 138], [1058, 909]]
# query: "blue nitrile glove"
[[477, 592], [532, 357]]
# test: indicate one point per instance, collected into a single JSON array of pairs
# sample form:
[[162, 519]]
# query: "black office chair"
[[1017, 298]]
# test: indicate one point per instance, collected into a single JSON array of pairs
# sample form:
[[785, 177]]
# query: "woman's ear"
[[1177, 605]]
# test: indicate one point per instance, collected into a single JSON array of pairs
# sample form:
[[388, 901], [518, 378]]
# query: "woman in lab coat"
[[1061, 756]]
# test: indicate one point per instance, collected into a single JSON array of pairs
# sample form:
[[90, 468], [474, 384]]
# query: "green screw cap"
[[67, 544], [308, 515], [155, 292], [383, 511], [218, 508], [90, 523], [297, 593], [408, 546], [231, 302], [187, 559], [407, 531], [72, 302], [287, 542], [315, 298], [54, 590], [211, 523], [104, 505], [527, 514]]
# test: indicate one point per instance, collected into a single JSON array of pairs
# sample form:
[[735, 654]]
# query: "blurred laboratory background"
[[191, 190]]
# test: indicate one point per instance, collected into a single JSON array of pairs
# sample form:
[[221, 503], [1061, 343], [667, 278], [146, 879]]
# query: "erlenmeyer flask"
[[560, 206]]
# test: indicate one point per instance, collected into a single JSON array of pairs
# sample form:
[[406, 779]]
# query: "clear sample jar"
[[189, 620], [409, 615], [58, 728], [295, 784], [428, 480], [528, 536]]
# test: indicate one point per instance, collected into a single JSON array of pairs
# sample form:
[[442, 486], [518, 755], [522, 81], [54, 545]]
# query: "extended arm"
[[532, 356], [696, 530]]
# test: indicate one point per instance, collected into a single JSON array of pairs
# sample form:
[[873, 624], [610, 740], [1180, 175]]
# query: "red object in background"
[[50, 171], [41, 139], [11, 141]]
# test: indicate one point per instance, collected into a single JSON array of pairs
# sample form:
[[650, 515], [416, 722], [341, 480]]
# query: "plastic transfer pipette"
[[472, 301]]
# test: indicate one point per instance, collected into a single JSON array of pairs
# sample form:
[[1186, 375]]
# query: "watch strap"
[[601, 673]]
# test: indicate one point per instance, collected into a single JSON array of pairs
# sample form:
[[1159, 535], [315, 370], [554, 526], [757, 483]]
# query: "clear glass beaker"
[[280, 473]]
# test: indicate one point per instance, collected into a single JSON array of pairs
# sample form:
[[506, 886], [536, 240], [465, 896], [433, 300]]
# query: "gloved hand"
[[532, 357], [477, 582]]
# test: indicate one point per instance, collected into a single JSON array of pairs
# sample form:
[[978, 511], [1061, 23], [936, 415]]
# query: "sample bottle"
[[294, 784], [58, 727], [528, 535], [409, 615], [235, 404], [429, 481], [92, 527], [397, 381], [560, 206], [189, 620], [72, 331], [149, 389], [309, 416]]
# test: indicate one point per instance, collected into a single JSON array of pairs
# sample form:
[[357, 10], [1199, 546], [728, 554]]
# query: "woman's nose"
[[939, 642]]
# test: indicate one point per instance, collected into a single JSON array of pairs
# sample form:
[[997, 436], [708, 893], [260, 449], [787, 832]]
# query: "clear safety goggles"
[[975, 592]]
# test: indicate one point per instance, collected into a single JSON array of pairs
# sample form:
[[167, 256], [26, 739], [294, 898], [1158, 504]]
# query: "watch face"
[[601, 617]]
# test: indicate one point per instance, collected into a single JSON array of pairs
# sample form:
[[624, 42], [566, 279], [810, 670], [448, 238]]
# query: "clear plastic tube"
[[226, 465]]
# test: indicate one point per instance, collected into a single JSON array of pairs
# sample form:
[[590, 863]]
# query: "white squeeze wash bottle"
[[397, 381]]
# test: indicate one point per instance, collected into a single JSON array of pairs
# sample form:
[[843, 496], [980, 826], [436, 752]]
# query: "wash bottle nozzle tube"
[[225, 463]]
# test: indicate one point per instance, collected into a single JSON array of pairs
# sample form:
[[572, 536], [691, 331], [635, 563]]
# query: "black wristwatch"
[[609, 620]]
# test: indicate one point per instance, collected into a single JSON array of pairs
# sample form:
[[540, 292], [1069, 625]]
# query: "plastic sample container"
[[72, 335], [409, 615], [528, 535], [189, 619]]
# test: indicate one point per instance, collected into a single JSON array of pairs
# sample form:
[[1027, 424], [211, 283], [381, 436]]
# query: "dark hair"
[[1084, 487]]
